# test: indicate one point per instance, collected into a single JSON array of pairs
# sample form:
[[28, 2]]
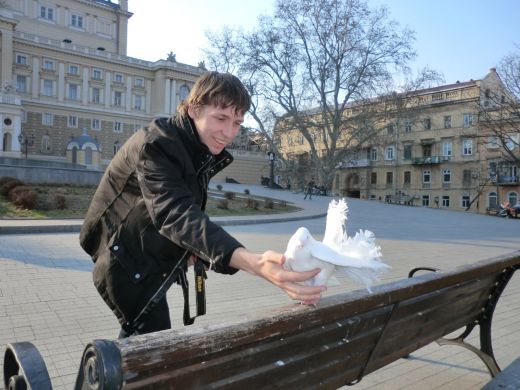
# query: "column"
[[148, 91], [167, 95], [7, 56], [173, 98], [61, 81], [84, 87], [128, 93], [108, 80], [35, 77]]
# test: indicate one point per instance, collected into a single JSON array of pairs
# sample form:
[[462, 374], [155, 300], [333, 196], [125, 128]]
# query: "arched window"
[[117, 146], [6, 145], [492, 200], [184, 91], [512, 198], [74, 154], [88, 155]]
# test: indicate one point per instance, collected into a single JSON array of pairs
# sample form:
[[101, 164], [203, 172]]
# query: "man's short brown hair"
[[219, 89]]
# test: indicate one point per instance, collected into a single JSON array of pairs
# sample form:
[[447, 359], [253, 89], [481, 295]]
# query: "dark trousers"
[[158, 319]]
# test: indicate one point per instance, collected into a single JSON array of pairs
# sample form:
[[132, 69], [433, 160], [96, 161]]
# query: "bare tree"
[[499, 109], [312, 60]]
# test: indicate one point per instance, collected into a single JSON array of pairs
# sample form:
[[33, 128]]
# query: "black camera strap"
[[200, 292]]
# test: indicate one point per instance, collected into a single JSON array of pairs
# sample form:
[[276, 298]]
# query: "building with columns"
[[68, 91]]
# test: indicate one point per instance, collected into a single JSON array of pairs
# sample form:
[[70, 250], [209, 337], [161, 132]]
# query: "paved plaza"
[[47, 296]]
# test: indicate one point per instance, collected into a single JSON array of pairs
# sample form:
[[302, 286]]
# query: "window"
[[493, 142], [373, 154], [47, 89], [407, 153], [118, 127], [97, 74], [21, 83], [512, 198], [96, 95], [72, 121], [390, 129], [447, 121], [47, 13], [48, 65], [138, 105], [139, 82], [88, 155], [407, 126], [117, 146], [389, 153], [407, 177], [118, 78], [300, 138], [73, 92], [47, 119], [96, 124], [426, 200], [389, 177], [445, 201], [184, 91], [46, 144], [74, 69], [467, 147], [466, 177], [21, 59], [427, 124], [467, 120], [373, 178], [118, 98], [447, 148], [464, 201], [76, 21], [492, 200], [427, 177], [446, 176]]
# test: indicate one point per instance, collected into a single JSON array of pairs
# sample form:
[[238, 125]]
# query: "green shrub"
[[219, 187]]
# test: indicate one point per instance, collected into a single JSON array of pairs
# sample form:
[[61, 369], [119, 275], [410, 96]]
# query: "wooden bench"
[[344, 338]]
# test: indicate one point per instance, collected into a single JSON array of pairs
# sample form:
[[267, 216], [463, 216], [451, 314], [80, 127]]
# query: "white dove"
[[358, 258]]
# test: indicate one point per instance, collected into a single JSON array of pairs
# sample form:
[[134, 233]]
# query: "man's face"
[[216, 126]]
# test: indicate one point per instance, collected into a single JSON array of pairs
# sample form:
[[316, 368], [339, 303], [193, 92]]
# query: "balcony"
[[504, 180], [426, 160], [361, 163]]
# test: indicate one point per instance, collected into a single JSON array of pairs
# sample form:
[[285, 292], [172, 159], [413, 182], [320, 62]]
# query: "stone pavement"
[[47, 297]]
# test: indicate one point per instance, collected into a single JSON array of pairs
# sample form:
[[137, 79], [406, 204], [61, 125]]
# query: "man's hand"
[[269, 266]]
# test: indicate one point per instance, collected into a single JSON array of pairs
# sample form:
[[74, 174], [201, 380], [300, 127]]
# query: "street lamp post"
[[26, 141], [272, 158]]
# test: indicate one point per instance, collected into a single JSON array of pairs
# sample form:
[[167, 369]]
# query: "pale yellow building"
[[432, 150], [68, 90]]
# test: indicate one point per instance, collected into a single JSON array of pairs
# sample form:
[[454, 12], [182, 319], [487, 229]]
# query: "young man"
[[146, 222]]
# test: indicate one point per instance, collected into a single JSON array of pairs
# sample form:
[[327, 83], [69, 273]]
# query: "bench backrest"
[[345, 337]]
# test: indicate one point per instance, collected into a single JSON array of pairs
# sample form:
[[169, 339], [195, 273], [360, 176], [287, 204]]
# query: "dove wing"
[[324, 253], [336, 218]]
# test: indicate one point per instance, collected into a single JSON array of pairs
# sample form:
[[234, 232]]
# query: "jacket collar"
[[189, 133]]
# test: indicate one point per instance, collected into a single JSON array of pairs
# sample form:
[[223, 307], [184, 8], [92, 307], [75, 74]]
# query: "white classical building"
[[65, 76]]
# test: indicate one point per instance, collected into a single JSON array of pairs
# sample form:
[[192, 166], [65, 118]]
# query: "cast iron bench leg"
[[24, 368]]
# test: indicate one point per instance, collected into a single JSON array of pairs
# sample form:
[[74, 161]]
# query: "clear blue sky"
[[460, 38]]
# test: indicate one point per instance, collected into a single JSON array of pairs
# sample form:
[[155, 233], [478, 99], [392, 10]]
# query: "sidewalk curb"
[[75, 228]]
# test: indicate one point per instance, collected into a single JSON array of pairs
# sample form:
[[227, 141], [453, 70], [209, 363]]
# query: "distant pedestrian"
[[309, 189]]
